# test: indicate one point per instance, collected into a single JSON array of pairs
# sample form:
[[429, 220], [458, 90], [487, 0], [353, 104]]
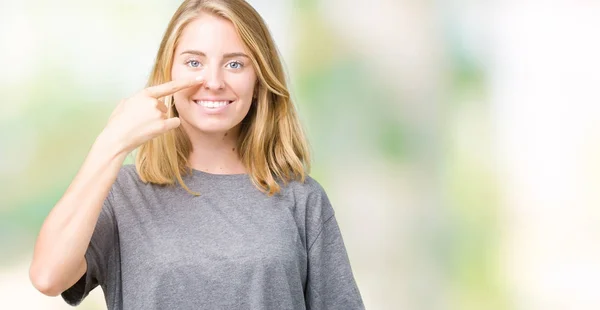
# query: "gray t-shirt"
[[232, 247]]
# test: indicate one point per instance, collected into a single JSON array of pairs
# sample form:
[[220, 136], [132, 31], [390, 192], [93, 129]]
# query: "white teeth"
[[212, 104]]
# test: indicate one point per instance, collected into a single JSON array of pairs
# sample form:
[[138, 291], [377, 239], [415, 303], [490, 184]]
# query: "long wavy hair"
[[271, 144]]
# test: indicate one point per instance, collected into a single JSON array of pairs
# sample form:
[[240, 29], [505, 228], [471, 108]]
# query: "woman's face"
[[210, 47]]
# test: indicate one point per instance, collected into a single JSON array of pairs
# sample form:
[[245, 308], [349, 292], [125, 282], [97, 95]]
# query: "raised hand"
[[144, 116]]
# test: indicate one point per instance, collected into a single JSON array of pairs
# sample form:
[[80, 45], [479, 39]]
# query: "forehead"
[[212, 35]]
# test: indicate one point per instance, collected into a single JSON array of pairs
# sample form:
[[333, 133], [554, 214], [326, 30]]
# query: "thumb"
[[171, 123]]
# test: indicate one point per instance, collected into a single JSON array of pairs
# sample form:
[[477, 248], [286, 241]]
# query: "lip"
[[212, 99]]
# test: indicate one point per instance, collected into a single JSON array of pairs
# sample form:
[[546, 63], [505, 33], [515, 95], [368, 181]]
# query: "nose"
[[214, 79]]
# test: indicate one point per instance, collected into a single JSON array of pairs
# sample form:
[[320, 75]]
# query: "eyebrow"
[[228, 55]]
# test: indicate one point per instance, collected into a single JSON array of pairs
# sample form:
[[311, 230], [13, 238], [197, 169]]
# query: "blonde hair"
[[271, 143]]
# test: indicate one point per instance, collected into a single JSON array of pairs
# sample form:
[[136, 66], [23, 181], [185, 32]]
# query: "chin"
[[210, 127]]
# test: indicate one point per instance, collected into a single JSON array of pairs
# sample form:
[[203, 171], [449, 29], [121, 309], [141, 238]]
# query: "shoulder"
[[128, 176], [310, 199], [128, 173], [309, 189], [128, 181]]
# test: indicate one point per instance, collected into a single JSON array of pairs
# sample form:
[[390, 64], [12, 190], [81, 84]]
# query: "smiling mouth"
[[213, 104]]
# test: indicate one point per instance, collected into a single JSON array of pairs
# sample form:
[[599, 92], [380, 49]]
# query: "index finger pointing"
[[172, 87]]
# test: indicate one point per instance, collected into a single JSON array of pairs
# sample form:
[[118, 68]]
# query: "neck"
[[215, 153]]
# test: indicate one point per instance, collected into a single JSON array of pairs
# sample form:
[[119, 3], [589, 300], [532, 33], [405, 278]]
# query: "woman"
[[218, 211]]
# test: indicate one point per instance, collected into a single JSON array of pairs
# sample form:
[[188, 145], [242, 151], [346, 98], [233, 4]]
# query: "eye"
[[193, 63], [235, 65]]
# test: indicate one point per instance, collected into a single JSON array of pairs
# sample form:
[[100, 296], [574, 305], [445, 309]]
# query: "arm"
[[59, 253], [58, 260], [330, 282]]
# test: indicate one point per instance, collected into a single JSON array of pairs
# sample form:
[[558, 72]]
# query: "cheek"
[[180, 72], [243, 85], [183, 95]]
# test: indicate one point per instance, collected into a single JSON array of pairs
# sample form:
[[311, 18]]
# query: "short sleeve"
[[330, 281], [98, 254]]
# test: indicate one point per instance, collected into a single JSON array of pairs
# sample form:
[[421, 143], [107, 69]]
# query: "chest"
[[209, 238]]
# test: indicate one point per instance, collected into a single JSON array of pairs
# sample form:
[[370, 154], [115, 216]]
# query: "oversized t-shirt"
[[232, 247]]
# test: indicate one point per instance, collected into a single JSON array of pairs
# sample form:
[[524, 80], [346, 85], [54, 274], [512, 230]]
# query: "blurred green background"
[[458, 140]]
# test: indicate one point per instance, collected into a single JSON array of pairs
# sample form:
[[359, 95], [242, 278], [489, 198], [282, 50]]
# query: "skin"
[[210, 47], [58, 258]]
